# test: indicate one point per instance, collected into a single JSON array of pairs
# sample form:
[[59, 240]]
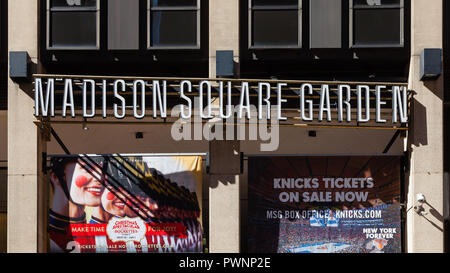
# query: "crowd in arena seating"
[[295, 234]]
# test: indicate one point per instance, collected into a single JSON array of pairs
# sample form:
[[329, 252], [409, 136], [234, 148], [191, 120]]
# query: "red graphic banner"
[[170, 229]]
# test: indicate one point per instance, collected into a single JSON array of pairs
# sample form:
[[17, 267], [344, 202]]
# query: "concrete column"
[[425, 232], [224, 222], [223, 30], [224, 213], [26, 183]]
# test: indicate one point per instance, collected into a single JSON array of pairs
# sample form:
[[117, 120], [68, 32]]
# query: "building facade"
[[283, 43]]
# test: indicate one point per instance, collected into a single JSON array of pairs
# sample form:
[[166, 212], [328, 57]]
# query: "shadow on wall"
[[27, 86], [225, 162], [435, 86], [419, 113], [419, 136]]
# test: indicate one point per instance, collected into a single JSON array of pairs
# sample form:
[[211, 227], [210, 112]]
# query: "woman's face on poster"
[[141, 205], [130, 208], [84, 183], [114, 202]]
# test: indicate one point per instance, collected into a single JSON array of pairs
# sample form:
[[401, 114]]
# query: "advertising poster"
[[335, 204], [125, 204]]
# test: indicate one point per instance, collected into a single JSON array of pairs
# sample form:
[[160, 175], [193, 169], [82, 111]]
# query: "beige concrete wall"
[[224, 197], [224, 220], [25, 223], [223, 30], [425, 233]]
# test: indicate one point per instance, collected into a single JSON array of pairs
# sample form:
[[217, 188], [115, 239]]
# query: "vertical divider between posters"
[[44, 163], [403, 170], [241, 162], [208, 162]]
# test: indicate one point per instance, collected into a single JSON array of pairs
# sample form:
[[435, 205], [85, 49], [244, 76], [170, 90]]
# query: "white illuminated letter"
[[262, 98], [104, 99], [116, 94], [229, 107], [378, 103], [189, 102], [399, 101], [68, 94], [309, 102], [49, 98], [208, 98], [280, 101], [367, 105], [135, 99], [245, 94], [325, 99], [341, 103], [162, 102], [85, 87]]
